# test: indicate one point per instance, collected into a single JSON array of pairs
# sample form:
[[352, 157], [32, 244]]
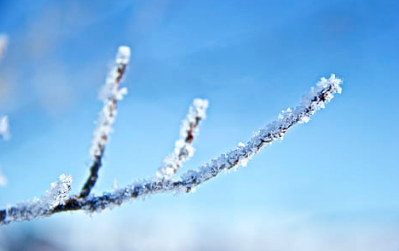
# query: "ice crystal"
[[57, 195], [59, 191]]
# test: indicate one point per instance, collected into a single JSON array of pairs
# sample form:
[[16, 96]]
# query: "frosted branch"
[[315, 100], [45, 205], [183, 146], [110, 94]]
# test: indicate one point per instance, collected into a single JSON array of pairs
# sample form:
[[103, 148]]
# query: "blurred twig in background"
[[3, 45]]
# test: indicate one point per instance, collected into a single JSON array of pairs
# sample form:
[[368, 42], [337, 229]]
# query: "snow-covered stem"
[[38, 207], [110, 94], [3, 45], [4, 128], [183, 146], [315, 100]]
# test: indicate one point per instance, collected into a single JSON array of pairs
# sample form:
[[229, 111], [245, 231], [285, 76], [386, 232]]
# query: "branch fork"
[[58, 199]]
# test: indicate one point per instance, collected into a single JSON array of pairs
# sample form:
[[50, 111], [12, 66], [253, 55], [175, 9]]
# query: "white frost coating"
[[3, 44], [59, 191], [57, 195], [110, 94], [4, 128], [183, 146]]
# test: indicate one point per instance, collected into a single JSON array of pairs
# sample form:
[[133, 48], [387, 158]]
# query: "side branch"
[[315, 100], [183, 146], [110, 95]]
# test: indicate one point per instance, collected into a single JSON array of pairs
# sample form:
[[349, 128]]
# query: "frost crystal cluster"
[[58, 199], [42, 206]]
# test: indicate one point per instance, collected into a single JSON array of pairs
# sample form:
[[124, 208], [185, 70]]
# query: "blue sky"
[[251, 59]]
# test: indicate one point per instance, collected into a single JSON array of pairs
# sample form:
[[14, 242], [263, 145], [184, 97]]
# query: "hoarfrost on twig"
[[184, 150]]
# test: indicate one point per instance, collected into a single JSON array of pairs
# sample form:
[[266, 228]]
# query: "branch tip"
[[184, 150]]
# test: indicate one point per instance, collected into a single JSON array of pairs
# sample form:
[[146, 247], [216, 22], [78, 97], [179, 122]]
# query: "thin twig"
[[312, 102], [183, 146], [110, 95]]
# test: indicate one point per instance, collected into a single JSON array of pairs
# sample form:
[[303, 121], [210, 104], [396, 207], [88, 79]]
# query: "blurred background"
[[331, 184]]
